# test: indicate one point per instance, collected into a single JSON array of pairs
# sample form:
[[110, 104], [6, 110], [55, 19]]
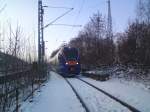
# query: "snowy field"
[[57, 96], [95, 100], [130, 93]]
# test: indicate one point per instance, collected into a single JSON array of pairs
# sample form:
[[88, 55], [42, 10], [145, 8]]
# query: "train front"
[[71, 62]]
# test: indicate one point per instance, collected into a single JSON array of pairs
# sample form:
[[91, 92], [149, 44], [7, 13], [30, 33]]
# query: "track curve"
[[133, 109]]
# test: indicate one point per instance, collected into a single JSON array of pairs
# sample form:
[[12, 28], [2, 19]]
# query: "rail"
[[133, 109], [78, 96]]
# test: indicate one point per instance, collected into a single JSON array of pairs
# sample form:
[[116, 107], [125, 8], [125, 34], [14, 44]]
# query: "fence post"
[[17, 100], [32, 81]]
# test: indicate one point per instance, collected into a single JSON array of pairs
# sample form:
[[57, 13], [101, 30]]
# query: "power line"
[[67, 25], [72, 5], [59, 7], [57, 18], [3, 8], [77, 16]]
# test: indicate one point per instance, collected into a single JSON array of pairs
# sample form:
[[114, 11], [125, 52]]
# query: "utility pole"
[[41, 46], [41, 27], [110, 33], [109, 22]]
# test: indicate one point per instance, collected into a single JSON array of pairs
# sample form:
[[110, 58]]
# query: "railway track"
[[128, 106], [131, 108], [78, 96]]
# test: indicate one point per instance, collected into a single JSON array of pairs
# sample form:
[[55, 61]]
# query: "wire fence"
[[19, 86]]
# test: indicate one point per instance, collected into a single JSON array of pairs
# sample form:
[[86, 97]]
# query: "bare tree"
[[134, 44], [94, 47], [143, 11]]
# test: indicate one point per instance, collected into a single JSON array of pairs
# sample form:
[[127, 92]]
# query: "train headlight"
[[77, 63], [66, 63]]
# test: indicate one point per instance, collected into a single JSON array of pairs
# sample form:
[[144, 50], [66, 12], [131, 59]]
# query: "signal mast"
[[109, 22], [41, 43]]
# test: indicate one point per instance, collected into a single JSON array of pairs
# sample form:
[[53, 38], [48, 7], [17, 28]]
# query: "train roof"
[[68, 48], [62, 49]]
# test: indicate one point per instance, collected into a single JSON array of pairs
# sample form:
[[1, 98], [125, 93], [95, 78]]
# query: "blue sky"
[[24, 12]]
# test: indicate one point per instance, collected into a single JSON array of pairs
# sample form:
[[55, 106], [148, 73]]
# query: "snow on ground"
[[132, 94], [95, 100], [56, 96], [132, 76]]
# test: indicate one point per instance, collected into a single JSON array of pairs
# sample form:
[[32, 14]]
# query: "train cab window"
[[71, 53]]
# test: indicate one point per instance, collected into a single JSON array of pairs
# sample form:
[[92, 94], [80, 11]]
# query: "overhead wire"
[[58, 18], [60, 7], [79, 12], [2, 5], [67, 25], [77, 16], [73, 5]]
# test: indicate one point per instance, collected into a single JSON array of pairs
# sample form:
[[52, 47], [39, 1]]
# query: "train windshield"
[[71, 53]]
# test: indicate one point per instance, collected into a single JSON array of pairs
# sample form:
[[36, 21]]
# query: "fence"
[[17, 87]]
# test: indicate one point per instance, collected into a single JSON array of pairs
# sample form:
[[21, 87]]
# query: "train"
[[66, 61]]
